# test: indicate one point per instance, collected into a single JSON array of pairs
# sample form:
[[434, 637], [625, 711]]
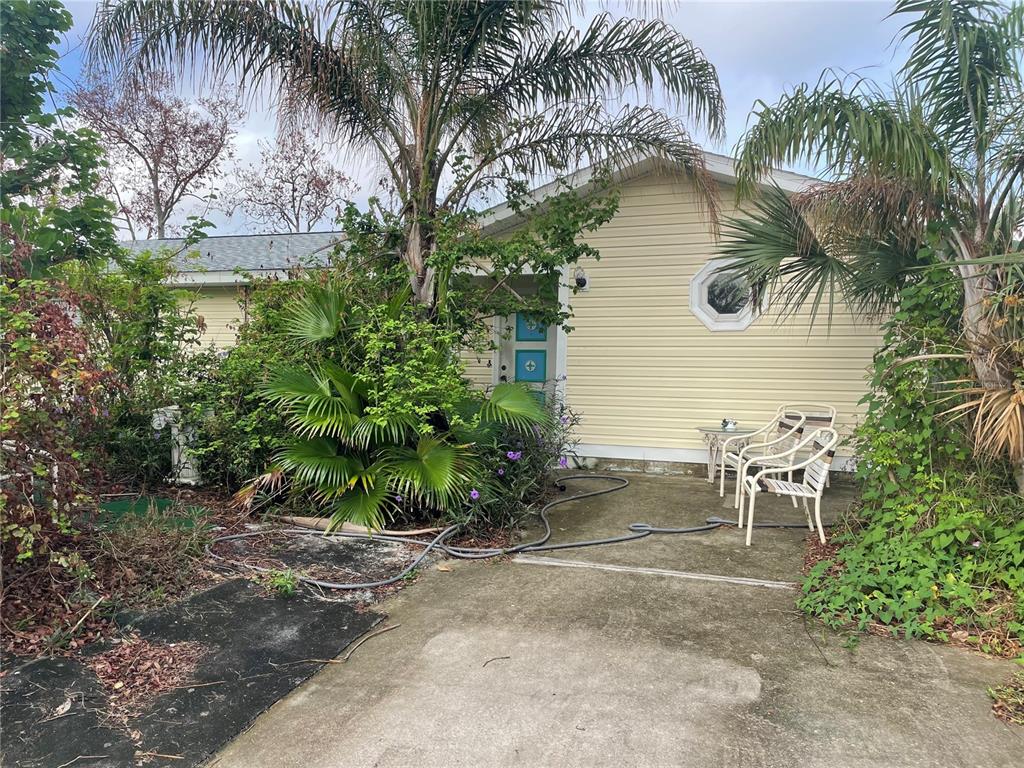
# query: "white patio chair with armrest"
[[788, 425], [815, 415], [823, 444]]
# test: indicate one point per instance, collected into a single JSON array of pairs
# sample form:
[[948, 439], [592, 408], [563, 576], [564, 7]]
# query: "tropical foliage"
[[927, 173], [363, 447], [936, 546], [450, 97]]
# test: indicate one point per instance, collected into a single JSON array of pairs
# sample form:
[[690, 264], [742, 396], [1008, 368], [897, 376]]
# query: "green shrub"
[[936, 544], [518, 464], [144, 332]]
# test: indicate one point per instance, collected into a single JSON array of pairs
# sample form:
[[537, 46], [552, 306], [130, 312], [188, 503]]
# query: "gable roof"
[[721, 167], [220, 256]]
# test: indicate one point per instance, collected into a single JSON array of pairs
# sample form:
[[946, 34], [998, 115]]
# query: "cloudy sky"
[[759, 48]]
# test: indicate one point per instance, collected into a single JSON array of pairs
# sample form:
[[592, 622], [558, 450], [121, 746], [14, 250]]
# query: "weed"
[[1008, 700], [282, 583]]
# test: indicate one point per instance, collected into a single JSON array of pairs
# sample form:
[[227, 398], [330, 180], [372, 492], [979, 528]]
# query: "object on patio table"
[[713, 439], [788, 424], [822, 444]]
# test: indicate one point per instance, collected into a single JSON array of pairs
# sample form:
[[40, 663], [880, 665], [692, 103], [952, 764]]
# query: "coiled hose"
[[636, 531]]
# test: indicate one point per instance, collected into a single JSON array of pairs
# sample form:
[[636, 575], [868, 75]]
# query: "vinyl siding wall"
[[221, 310], [645, 372], [479, 369]]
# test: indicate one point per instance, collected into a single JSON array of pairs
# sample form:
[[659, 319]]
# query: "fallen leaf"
[[62, 709], [445, 568]]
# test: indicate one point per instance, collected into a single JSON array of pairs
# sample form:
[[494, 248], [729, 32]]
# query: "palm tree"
[[935, 159], [449, 96], [363, 465]]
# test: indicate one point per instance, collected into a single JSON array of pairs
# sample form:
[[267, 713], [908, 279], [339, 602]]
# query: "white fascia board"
[[221, 278], [721, 167]]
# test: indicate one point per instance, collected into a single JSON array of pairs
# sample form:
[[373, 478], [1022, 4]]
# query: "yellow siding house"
[[662, 342]]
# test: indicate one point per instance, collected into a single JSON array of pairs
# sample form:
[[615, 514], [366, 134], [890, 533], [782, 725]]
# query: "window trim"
[[704, 312]]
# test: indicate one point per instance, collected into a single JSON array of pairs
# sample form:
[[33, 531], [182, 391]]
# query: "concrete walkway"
[[602, 662]]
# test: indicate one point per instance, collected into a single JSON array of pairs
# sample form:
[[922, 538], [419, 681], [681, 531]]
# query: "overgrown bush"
[[383, 425], [51, 390], [936, 545], [144, 332], [234, 433], [518, 464]]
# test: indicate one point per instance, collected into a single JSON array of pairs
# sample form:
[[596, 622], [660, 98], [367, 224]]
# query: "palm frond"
[[847, 126], [319, 314], [370, 507], [577, 134], [317, 464], [316, 404], [513, 405], [612, 55], [433, 472], [997, 420], [966, 56], [780, 255], [373, 431]]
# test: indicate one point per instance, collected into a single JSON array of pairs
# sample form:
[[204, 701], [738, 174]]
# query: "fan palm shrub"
[[361, 445], [925, 173], [447, 96]]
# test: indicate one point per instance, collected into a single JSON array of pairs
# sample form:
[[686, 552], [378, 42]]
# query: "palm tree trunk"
[[976, 324], [419, 246]]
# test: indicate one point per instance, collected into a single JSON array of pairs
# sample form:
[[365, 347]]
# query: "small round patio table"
[[714, 437]]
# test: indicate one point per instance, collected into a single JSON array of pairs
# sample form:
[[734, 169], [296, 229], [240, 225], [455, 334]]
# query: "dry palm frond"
[[270, 481], [998, 423]]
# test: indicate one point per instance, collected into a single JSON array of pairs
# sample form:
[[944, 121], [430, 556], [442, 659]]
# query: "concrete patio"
[[600, 660]]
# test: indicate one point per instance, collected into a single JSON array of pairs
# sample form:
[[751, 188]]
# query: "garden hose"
[[636, 531]]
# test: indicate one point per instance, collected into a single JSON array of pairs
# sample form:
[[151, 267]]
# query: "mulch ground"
[[48, 610], [815, 552], [137, 670]]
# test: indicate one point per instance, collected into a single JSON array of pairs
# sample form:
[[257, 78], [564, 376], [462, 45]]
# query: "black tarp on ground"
[[251, 639]]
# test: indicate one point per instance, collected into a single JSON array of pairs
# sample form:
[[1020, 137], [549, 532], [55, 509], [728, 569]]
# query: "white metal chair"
[[815, 416], [822, 444], [788, 424]]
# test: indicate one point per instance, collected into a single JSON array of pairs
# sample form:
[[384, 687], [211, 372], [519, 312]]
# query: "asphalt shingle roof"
[[247, 252]]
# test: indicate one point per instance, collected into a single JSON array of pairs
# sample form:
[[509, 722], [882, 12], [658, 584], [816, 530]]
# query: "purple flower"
[[501, 471], [514, 455], [563, 462], [564, 419], [474, 494], [398, 499]]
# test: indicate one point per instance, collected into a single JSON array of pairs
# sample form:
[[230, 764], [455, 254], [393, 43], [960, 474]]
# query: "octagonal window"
[[721, 299]]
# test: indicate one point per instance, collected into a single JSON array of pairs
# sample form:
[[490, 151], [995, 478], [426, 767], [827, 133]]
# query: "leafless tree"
[[293, 186], [161, 147]]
